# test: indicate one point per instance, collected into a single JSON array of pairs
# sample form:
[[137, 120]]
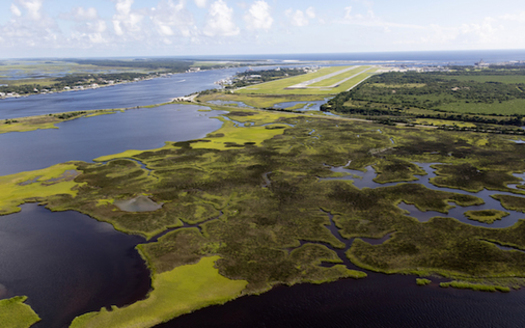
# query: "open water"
[[68, 264], [85, 139]]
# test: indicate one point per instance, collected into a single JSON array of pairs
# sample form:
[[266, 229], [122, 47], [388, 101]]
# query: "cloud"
[[485, 31], [33, 8], [310, 12], [170, 18], [89, 28], [15, 10], [201, 3], [297, 18], [220, 20], [80, 14], [300, 18], [29, 26], [517, 17], [85, 14], [370, 19], [126, 21], [258, 16]]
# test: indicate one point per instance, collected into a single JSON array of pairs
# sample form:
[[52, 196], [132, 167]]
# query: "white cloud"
[[519, 17], [310, 12], [485, 31], [15, 10], [29, 27], [170, 17], [85, 14], [126, 21], [33, 8], [370, 19], [297, 18], [300, 18], [201, 3], [348, 12], [89, 30], [80, 14], [258, 16], [220, 20]]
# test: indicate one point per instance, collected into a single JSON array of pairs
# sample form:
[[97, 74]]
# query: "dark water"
[[68, 263], [378, 301], [87, 138]]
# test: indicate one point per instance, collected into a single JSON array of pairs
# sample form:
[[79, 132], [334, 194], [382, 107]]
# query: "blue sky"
[[60, 28]]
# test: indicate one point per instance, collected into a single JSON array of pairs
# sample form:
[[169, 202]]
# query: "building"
[[481, 64]]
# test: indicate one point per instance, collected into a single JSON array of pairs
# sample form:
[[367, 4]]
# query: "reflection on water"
[[68, 263]]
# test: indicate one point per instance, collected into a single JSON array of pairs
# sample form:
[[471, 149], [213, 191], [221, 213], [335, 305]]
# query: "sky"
[[109, 28]]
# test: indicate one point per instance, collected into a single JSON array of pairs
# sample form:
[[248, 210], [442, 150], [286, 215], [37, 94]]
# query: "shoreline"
[[84, 89], [166, 75]]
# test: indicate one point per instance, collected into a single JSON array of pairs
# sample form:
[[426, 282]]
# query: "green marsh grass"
[[15, 314]]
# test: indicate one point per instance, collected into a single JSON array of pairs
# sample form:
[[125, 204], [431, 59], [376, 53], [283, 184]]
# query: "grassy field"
[[174, 293], [511, 79], [18, 188], [279, 87], [43, 122], [231, 136], [515, 106], [15, 314]]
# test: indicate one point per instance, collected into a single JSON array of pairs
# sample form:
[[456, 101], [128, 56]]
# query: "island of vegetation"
[[486, 216], [15, 314], [249, 206]]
